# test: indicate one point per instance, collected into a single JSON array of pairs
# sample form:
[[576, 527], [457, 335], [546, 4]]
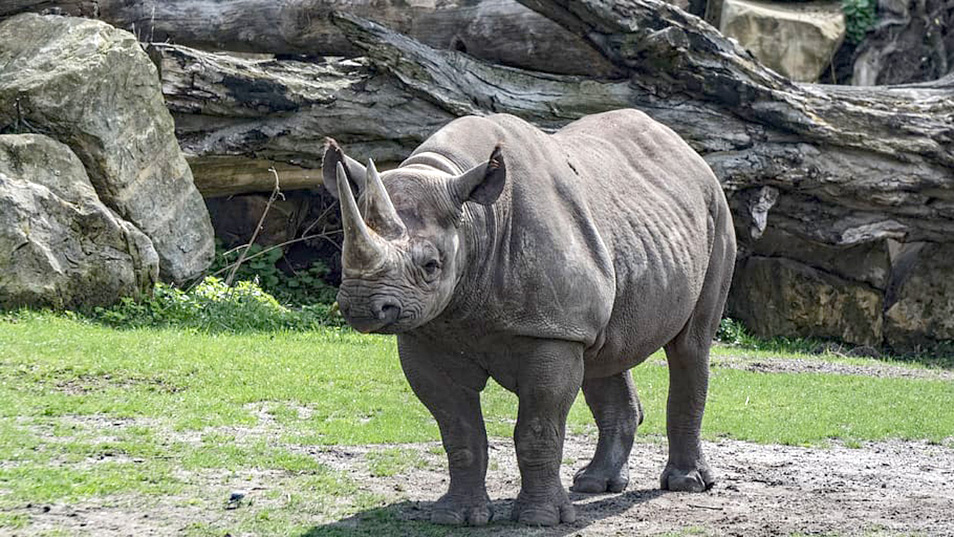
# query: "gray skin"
[[550, 263]]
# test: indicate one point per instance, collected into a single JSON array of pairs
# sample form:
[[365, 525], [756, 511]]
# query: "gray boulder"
[[92, 87], [60, 247], [783, 297]]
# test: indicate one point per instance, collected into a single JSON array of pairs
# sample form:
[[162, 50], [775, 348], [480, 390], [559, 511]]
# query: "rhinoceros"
[[549, 263]]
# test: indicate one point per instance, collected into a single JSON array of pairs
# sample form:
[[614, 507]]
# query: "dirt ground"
[[882, 488]]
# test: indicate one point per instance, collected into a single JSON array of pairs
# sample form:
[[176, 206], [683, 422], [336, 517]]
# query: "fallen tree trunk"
[[834, 189], [501, 31], [843, 196], [879, 158]]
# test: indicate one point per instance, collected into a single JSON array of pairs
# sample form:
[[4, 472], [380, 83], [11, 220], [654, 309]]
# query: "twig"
[[324, 236], [697, 506], [319, 219], [276, 192]]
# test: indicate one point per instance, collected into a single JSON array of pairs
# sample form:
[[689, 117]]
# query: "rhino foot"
[[456, 511], [543, 513], [595, 480], [696, 479]]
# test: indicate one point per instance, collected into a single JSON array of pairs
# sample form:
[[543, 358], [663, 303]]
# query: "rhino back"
[[657, 207]]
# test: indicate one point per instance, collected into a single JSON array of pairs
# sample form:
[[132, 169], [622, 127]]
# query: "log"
[[877, 161], [823, 180], [501, 31], [237, 117]]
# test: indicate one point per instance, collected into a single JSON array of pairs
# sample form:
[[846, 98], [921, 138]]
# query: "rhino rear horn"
[[483, 183], [362, 249], [333, 156], [379, 212]]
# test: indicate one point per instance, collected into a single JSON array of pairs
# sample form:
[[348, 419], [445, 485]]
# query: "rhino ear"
[[483, 183], [353, 169]]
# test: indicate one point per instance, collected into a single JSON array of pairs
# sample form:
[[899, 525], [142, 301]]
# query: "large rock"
[[59, 246], [93, 88], [920, 302], [782, 297], [797, 40], [868, 262]]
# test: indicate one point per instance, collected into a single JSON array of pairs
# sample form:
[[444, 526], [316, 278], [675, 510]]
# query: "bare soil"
[[801, 365], [887, 488], [882, 488]]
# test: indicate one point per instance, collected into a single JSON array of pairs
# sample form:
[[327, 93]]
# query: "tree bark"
[[501, 31], [829, 185], [873, 162]]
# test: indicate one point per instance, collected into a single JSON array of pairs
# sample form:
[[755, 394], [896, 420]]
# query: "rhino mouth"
[[367, 324], [381, 314]]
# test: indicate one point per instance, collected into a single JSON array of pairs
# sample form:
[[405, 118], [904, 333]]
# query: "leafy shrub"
[[860, 18], [261, 265], [732, 332], [215, 307]]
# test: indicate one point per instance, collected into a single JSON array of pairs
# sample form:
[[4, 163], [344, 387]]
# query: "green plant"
[[732, 332], [303, 287], [860, 18], [213, 306]]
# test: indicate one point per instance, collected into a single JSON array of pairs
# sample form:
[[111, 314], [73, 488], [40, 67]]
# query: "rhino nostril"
[[387, 310]]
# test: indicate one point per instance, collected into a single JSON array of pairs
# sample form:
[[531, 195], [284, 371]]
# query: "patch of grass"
[[356, 394], [393, 461], [41, 483], [734, 336], [14, 521]]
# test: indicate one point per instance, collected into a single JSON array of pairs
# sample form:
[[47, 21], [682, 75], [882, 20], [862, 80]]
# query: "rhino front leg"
[[615, 406], [549, 377], [456, 407]]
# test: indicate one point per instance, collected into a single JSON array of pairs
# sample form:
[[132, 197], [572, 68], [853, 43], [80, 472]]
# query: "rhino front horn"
[[362, 249]]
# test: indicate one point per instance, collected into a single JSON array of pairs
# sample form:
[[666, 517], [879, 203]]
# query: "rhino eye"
[[431, 267]]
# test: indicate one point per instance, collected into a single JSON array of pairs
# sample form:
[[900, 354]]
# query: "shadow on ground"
[[411, 518]]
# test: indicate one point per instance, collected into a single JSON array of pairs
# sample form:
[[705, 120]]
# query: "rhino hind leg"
[[615, 406], [688, 357], [687, 469]]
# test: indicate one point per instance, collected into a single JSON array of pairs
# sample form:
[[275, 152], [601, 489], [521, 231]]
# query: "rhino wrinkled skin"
[[550, 263]]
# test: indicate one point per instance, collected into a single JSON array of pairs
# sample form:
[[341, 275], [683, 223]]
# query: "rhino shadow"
[[411, 518]]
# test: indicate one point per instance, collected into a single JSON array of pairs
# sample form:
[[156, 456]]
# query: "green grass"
[[88, 411], [393, 461]]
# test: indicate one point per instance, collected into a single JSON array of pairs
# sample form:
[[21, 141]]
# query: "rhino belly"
[[657, 289]]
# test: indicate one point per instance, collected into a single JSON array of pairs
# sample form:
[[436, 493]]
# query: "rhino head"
[[402, 255]]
